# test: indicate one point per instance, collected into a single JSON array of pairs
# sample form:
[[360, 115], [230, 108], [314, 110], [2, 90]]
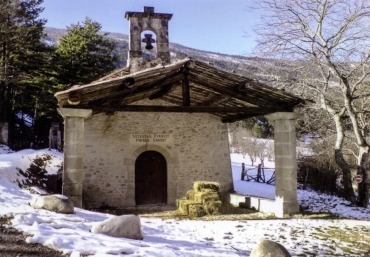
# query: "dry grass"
[[348, 238]]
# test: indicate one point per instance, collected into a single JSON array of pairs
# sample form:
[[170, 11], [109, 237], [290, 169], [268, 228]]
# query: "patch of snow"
[[11, 163], [5, 149], [72, 234]]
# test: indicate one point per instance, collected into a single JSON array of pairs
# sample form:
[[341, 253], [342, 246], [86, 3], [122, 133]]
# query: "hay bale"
[[211, 198], [200, 196], [196, 210], [183, 206], [202, 200], [199, 186], [212, 207], [178, 201], [190, 195]]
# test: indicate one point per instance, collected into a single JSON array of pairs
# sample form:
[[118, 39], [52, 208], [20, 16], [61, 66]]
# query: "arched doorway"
[[150, 178]]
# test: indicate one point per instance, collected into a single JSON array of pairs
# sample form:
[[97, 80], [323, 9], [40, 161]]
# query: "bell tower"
[[157, 23]]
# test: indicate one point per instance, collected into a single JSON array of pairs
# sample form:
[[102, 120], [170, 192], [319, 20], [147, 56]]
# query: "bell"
[[149, 45], [148, 40]]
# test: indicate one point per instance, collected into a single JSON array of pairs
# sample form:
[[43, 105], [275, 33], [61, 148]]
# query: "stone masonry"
[[73, 173], [197, 149], [285, 163], [154, 22]]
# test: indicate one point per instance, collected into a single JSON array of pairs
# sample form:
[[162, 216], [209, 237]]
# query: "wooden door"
[[150, 178]]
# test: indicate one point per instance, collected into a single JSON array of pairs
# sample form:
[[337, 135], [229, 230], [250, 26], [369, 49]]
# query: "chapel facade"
[[145, 133]]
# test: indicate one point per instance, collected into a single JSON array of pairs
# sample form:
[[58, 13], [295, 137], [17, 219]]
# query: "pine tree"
[[84, 54], [21, 55]]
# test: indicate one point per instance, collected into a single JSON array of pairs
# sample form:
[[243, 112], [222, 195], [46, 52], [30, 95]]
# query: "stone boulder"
[[56, 203], [127, 226], [268, 248]]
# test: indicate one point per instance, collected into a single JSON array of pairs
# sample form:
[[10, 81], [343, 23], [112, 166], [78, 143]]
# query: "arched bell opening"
[[149, 44]]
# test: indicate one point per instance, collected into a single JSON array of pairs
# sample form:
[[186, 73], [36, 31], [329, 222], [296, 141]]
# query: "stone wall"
[[157, 23], [196, 149]]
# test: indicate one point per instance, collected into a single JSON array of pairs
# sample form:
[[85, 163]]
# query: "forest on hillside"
[[320, 52]]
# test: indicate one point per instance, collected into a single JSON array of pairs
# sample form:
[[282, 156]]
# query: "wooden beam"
[[160, 108], [103, 89], [74, 98], [162, 91], [243, 116], [236, 93], [135, 90], [218, 99], [185, 91]]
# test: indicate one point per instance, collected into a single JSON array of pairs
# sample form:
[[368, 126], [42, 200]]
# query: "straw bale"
[[212, 207], [196, 210], [200, 196], [183, 206], [199, 186], [179, 200], [190, 195]]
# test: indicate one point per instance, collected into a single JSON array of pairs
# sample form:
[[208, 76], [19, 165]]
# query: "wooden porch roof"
[[185, 86]]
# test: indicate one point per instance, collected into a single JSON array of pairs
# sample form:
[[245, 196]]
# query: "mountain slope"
[[261, 69]]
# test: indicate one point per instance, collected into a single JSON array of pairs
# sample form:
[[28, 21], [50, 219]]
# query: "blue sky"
[[223, 26]]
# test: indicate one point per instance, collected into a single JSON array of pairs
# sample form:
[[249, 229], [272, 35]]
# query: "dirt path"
[[13, 244]]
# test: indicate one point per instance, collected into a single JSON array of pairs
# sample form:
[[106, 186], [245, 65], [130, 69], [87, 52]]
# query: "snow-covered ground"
[[172, 237]]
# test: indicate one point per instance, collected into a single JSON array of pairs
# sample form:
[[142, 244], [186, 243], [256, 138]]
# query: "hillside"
[[256, 68]]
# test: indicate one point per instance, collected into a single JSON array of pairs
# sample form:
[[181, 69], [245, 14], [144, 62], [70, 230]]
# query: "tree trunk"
[[348, 192], [10, 114], [3, 86], [363, 170], [3, 102], [5, 94]]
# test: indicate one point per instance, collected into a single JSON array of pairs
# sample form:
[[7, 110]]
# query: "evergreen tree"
[[84, 54], [21, 32]]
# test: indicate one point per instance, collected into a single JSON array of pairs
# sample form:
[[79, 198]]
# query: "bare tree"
[[270, 152], [330, 42], [243, 142], [237, 139], [262, 149], [251, 147]]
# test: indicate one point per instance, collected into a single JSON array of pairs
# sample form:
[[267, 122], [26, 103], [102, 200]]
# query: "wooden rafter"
[[166, 81], [188, 86], [244, 115], [185, 91], [218, 99], [162, 91], [162, 108], [234, 93]]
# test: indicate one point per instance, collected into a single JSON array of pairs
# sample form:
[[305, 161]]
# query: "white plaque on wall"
[[151, 138]]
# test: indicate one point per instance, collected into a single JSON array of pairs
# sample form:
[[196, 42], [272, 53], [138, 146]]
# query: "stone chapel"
[[144, 134]]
